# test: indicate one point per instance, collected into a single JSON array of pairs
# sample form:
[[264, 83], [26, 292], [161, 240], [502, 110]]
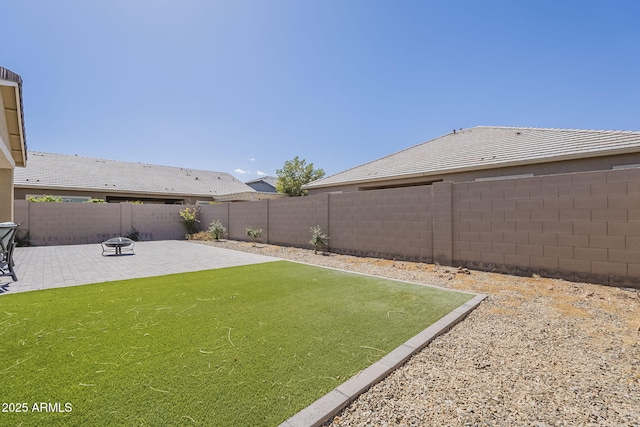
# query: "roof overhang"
[[107, 190], [248, 196], [435, 173], [15, 153]]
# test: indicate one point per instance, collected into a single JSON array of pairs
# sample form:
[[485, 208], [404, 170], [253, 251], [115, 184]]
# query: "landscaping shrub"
[[190, 218], [318, 239], [217, 230], [255, 234]]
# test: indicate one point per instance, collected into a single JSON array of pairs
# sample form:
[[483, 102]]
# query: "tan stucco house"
[[79, 179], [13, 145], [487, 153]]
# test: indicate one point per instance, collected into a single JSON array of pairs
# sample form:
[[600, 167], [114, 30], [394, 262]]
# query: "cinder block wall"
[[290, 220], [392, 223], [21, 214], [217, 212], [70, 223], [578, 226], [156, 222], [248, 215], [582, 226], [82, 223]]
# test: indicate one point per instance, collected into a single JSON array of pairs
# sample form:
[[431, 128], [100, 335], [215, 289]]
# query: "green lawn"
[[240, 346]]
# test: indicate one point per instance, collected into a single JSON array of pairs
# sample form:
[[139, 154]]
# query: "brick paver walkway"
[[45, 267]]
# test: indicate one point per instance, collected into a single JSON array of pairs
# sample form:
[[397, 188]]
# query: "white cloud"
[[253, 159], [260, 173], [241, 171]]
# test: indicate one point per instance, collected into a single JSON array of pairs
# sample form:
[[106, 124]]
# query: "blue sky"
[[241, 86]]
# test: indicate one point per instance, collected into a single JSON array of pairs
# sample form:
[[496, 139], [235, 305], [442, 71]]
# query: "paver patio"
[[45, 267]]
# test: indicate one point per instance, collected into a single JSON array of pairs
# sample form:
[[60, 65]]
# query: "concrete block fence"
[[578, 226]]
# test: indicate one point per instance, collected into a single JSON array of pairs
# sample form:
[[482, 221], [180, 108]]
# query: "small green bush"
[[255, 234], [95, 201], [217, 230], [318, 239]]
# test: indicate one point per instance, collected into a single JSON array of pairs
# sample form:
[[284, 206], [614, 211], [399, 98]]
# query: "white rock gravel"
[[536, 352]]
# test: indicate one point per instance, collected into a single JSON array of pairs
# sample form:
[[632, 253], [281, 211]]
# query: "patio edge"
[[337, 399]]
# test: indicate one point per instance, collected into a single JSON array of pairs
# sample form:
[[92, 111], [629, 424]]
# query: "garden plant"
[[190, 218], [319, 239], [254, 233], [217, 230]]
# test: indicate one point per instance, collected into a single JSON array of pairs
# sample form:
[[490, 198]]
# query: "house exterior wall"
[[578, 226], [6, 195]]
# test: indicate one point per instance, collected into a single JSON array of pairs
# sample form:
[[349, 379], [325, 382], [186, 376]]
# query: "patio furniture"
[[117, 245], [7, 244]]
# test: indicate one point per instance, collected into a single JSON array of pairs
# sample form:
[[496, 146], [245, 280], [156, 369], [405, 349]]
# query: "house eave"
[[497, 165], [12, 89], [111, 190]]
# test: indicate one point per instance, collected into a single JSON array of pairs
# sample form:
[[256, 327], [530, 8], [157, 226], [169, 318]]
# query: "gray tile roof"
[[271, 180], [486, 147], [60, 171]]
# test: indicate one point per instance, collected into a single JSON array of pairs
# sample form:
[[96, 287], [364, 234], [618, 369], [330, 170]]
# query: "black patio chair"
[[7, 244]]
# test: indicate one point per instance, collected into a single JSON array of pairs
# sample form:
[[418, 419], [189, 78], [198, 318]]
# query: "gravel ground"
[[537, 352]]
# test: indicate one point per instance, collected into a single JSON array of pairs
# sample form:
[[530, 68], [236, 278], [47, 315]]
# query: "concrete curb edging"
[[337, 399]]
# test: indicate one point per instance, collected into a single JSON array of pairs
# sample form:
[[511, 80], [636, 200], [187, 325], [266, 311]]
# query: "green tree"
[[294, 174]]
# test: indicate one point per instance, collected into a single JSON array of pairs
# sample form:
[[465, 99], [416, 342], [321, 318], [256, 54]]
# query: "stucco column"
[[6, 195]]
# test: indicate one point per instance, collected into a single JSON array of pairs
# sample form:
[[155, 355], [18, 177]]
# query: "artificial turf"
[[239, 346]]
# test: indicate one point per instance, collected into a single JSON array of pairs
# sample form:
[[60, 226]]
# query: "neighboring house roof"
[[265, 184], [11, 91], [486, 147], [270, 180], [48, 171]]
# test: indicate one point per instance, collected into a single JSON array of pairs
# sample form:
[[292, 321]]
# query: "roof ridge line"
[[560, 129]]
